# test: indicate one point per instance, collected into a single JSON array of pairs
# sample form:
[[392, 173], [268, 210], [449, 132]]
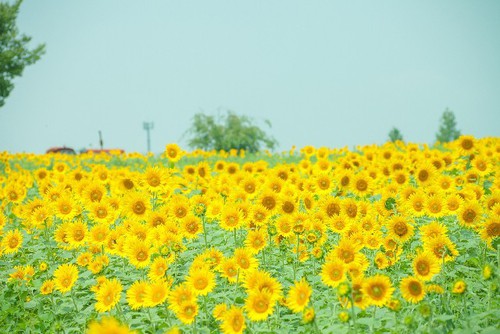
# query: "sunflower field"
[[396, 238]]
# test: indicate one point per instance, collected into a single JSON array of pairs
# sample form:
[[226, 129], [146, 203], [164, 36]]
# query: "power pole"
[[100, 140], [148, 126]]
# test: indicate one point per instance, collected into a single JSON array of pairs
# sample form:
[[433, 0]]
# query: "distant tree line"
[[447, 129], [228, 131]]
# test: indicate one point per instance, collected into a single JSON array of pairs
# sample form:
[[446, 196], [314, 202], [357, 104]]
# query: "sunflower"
[[173, 152], [339, 224], [412, 289], [201, 281], [65, 208], [436, 206], [298, 296], [374, 240], [333, 272], [157, 218], [136, 294], [47, 287], [187, 312], [360, 299], [453, 202], [466, 144], [233, 321], [156, 292], [84, 259], [231, 218], [259, 305], [445, 182], [470, 213], [330, 206], [259, 215], [191, 226], [125, 183], [248, 184], [344, 179], [425, 265], [101, 212], [95, 266], [490, 230], [256, 240], [287, 204], [203, 170], [108, 295], [425, 173], [459, 287], [11, 242], [153, 178], [416, 204], [258, 280], [378, 289], [350, 208], [65, 277], [138, 252], [244, 259], [284, 226], [441, 247], [181, 294], [76, 234], [14, 193], [94, 192], [158, 268], [362, 184], [323, 183], [219, 311], [268, 199], [346, 251], [108, 325], [137, 205], [434, 288], [481, 165], [400, 229], [99, 233], [400, 177], [433, 230]]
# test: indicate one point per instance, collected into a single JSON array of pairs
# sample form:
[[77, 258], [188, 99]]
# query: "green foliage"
[[395, 135], [226, 132], [448, 128], [14, 51]]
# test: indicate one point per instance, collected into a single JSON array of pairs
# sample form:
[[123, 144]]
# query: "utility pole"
[[100, 140], [148, 126]]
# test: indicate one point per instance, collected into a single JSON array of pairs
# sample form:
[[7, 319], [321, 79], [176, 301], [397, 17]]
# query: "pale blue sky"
[[325, 73]]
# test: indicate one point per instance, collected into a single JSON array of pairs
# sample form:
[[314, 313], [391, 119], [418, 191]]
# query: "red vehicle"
[[62, 150]]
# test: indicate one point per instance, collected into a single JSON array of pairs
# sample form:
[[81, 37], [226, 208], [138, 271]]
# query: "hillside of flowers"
[[396, 238]]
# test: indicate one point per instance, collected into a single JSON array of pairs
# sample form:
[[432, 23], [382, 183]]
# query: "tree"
[[14, 52], [448, 128], [395, 135], [226, 132]]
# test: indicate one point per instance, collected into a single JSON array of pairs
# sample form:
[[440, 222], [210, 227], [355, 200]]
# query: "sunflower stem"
[[297, 259], [372, 325], [498, 257], [74, 301], [235, 241], [204, 231], [151, 320], [236, 285], [205, 308], [351, 298]]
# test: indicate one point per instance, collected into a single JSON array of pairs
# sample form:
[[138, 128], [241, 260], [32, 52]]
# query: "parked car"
[[61, 149]]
